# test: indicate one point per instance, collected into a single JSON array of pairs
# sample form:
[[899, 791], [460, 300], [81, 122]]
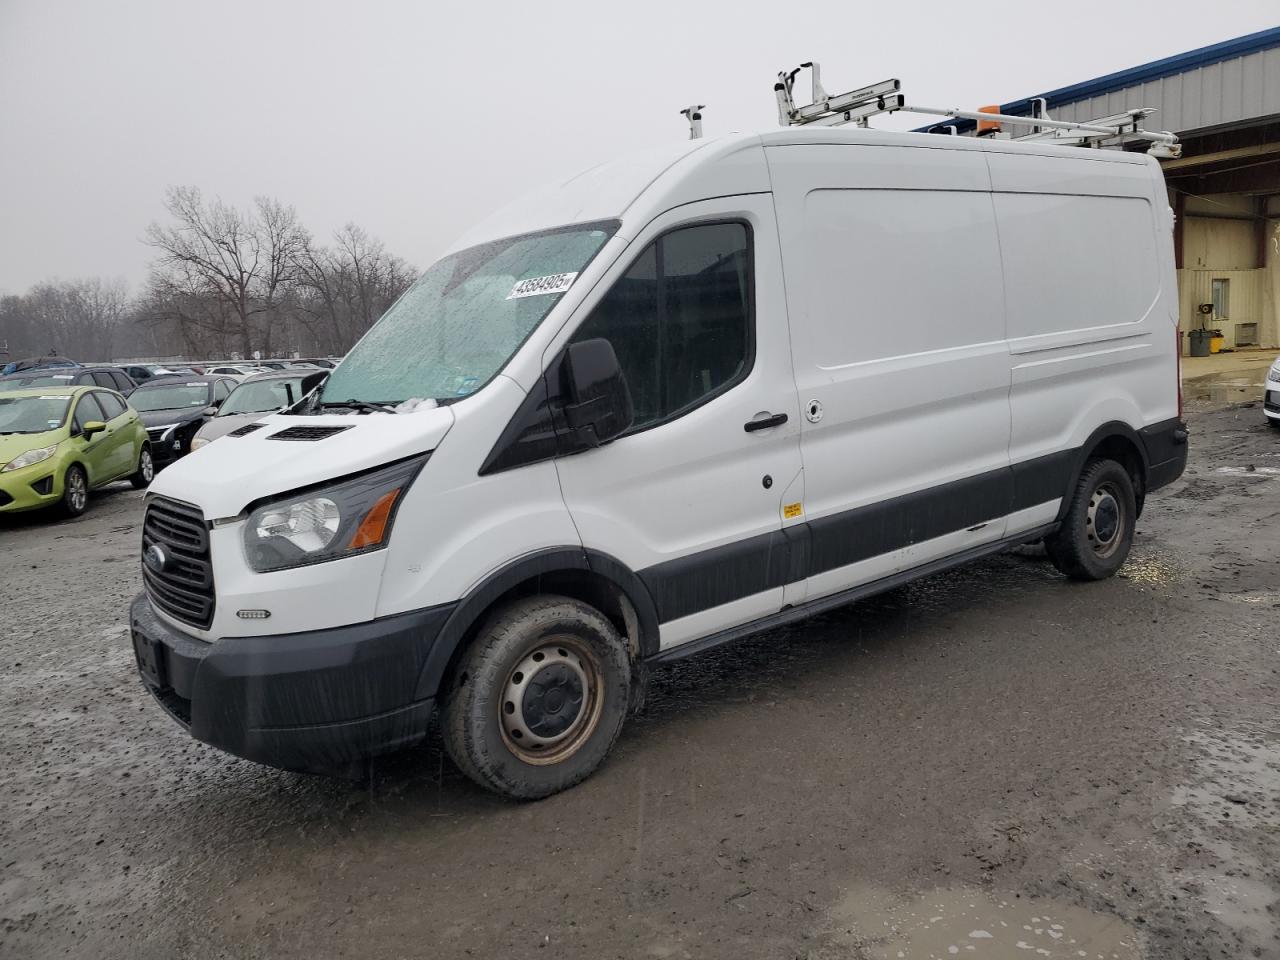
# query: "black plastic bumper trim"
[[1165, 445], [317, 700]]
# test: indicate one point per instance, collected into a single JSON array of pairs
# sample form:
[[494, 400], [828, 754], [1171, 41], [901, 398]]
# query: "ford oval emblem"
[[155, 558]]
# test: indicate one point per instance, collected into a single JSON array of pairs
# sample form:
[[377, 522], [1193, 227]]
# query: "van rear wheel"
[[538, 699], [1095, 536]]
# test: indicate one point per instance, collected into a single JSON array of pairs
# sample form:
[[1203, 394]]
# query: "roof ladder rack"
[[856, 106], [1120, 126], [860, 105]]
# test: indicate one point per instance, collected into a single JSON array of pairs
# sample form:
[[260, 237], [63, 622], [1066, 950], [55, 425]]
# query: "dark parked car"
[[35, 363], [145, 372], [113, 378], [174, 408]]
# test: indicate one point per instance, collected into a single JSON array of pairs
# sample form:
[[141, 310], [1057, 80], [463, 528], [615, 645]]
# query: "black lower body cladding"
[[316, 701], [1166, 448]]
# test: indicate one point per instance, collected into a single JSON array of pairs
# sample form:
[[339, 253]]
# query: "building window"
[[1221, 299]]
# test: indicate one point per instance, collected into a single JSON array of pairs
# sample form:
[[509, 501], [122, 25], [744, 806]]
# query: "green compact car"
[[58, 443]]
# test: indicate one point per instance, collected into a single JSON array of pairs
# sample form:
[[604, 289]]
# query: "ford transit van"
[[680, 398]]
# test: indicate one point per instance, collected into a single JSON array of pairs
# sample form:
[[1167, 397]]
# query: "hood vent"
[[247, 429], [307, 433]]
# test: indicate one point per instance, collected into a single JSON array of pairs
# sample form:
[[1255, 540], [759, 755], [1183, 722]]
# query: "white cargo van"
[[673, 400]]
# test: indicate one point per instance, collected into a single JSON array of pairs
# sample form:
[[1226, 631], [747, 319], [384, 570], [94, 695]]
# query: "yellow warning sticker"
[[791, 510]]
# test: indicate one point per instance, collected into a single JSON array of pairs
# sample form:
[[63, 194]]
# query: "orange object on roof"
[[988, 126]]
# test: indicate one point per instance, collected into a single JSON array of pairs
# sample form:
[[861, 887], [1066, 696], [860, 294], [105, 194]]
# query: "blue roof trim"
[[1156, 70]]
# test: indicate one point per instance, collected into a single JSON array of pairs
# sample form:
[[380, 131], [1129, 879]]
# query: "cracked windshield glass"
[[461, 322]]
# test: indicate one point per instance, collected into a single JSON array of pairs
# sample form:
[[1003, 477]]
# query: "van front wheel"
[[538, 699], [1095, 536]]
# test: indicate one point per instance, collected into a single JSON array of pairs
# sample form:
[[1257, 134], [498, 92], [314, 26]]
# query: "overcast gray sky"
[[414, 119]]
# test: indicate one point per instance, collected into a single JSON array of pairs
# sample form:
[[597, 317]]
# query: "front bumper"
[[164, 452], [317, 701], [33, 487]]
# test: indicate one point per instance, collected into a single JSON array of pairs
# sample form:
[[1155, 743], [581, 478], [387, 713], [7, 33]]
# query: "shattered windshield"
[[462, 321]]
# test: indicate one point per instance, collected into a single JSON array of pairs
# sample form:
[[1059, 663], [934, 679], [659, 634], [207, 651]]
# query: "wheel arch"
[[593, 577], [1118, 441], [74, 461]]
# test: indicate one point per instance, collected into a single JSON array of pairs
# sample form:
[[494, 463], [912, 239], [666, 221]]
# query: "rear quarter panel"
[[1086, 246]]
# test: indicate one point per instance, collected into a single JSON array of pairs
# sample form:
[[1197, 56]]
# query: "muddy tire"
[[142, 477], [1095, 536], [538, 699], [75, 491]]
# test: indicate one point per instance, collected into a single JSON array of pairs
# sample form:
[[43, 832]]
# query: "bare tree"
[[347, 287], [77, 318], [223, 273]]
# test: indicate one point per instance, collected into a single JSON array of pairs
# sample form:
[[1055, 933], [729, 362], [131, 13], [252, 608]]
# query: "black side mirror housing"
[[598, 406]]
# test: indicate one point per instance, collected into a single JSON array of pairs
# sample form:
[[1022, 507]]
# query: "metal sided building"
[[1223, 102]]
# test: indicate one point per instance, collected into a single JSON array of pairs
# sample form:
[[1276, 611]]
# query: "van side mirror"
[[598, 406], [91, 427], [211, 410]]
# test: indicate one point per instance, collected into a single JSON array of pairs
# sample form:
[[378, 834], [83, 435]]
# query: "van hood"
[[222, 425], [224, 477]]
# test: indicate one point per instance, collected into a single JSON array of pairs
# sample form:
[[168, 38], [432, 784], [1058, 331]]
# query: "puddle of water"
[[1246, 472], [1263, 598], [1151, 571], [1233, 799], [968, 922]]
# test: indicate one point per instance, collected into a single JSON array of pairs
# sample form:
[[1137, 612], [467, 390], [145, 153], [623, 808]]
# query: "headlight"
[[30, 457], [346, 518], [198, 442], [1274, 372]]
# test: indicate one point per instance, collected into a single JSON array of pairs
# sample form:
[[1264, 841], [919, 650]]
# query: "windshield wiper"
[[368, 406]]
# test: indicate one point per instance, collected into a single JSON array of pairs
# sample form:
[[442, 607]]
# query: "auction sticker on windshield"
[[537, 286]]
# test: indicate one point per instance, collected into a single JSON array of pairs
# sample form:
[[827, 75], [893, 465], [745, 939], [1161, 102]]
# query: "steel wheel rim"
[[79, 495], [146, 466], [540, 719], [1105, 521]]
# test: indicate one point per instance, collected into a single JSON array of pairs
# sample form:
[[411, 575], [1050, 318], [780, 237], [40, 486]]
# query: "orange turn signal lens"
[[373, 528]]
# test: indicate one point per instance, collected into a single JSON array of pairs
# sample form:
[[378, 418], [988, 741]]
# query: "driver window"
[[680, 320], [87, 409]]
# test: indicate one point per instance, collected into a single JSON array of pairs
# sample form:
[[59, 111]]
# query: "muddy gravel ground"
[[994, 762]]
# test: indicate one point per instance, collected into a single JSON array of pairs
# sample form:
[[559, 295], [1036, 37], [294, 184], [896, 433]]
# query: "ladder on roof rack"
[[860, 105]]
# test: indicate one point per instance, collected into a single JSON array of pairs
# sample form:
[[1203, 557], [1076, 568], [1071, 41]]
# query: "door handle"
[[765, 422]]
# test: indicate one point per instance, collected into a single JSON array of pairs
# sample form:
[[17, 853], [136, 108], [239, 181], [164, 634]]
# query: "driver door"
[[699, 495], [95, 451]]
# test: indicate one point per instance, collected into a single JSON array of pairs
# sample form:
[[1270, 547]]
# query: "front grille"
[[5, 499], [307, 433], [245, 430], [1272, 400], [184, 588]]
